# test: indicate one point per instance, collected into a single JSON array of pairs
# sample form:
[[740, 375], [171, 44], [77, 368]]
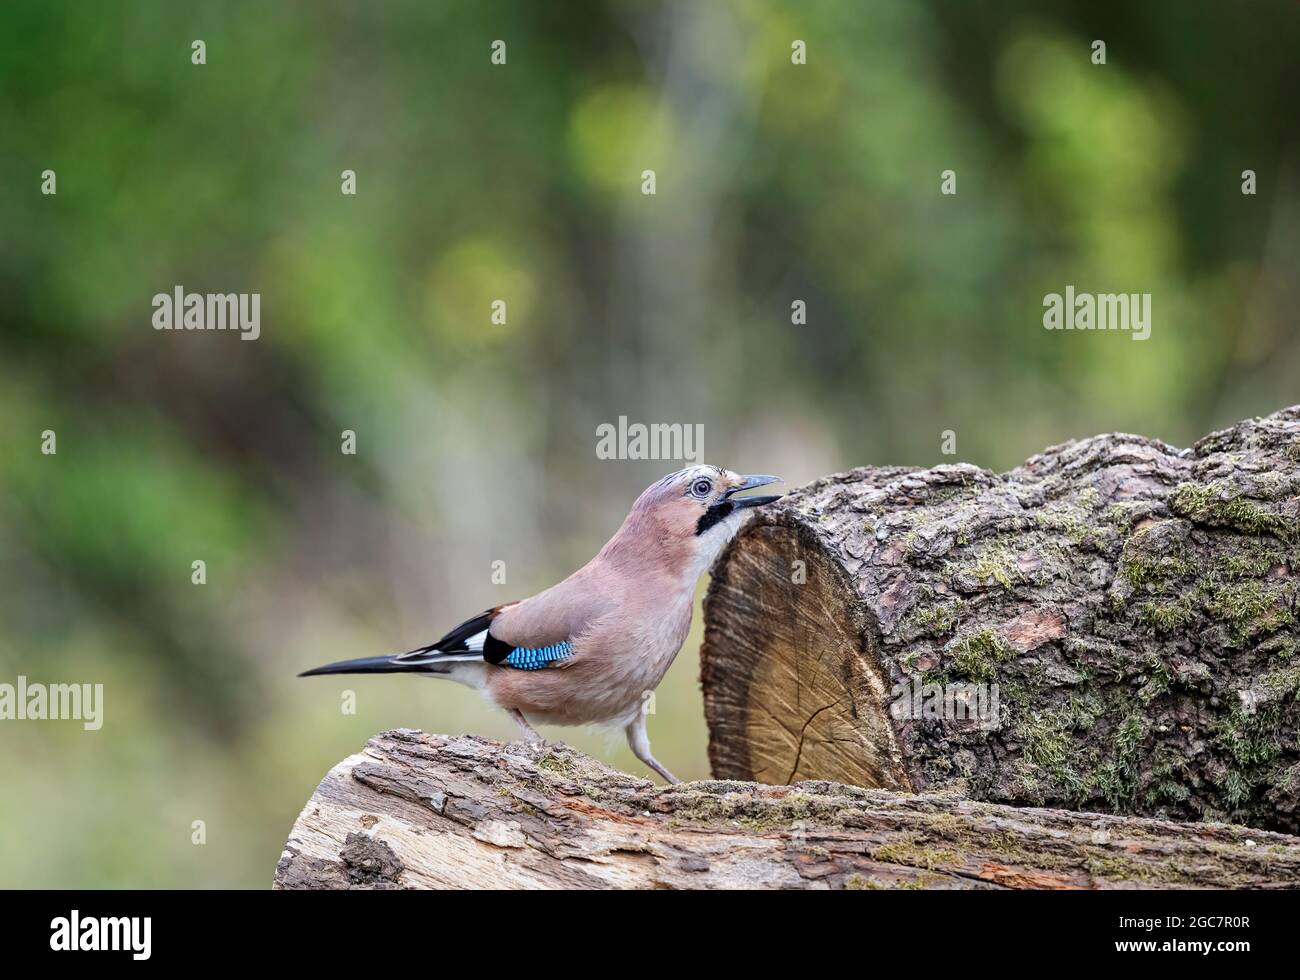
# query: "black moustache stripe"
[[718, 512]]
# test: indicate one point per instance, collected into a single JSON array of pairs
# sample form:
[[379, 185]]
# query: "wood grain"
[[412, 810]]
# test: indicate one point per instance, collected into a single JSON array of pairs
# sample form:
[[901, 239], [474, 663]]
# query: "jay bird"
[[588, 650]]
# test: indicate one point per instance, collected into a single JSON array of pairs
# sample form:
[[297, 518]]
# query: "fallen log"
[[432, 811], [1111, 626]]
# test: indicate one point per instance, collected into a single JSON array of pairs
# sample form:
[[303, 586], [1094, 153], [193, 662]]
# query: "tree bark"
[[432, 811], [1132, 607]]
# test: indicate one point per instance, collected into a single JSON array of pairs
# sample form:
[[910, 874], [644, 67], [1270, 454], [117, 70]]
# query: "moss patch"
[[913, 852], [1220, 503], [935, 620], [1250, 607], [980, 656], [1164, 617], [996, 565]]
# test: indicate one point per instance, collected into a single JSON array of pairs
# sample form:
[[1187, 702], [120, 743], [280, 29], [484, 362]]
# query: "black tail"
[[435, 658], [368, 665]]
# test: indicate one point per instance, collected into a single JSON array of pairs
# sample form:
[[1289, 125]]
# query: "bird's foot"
[[654, 764], [527, 733]]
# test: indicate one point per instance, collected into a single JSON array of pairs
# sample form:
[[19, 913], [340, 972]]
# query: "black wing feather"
[[455, 641]]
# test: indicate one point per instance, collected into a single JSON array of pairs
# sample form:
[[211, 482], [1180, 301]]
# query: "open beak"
[[750, 483]]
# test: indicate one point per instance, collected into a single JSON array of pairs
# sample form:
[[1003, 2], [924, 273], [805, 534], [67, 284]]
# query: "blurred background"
[[476, 441]]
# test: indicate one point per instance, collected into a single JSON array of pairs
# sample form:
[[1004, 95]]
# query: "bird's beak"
[[750, 483]]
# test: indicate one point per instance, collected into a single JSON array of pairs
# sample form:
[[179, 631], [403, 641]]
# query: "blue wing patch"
[[535, 658]]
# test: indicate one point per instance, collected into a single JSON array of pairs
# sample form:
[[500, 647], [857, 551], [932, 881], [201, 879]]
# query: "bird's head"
[[700, 506]]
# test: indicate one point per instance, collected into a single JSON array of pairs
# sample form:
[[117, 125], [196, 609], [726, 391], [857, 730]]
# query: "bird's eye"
[[701, 488]]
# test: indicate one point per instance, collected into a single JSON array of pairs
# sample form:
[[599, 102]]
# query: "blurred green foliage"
[[476, 441]]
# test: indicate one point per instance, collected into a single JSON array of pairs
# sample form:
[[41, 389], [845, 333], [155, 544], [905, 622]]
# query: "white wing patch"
[[473, 651]]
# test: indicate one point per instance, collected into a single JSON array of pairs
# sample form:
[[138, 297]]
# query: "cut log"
[[1111, 626], [431, 811]]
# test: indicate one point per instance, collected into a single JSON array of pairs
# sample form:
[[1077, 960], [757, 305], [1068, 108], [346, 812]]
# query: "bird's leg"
[[639, 741], [526, 731]]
